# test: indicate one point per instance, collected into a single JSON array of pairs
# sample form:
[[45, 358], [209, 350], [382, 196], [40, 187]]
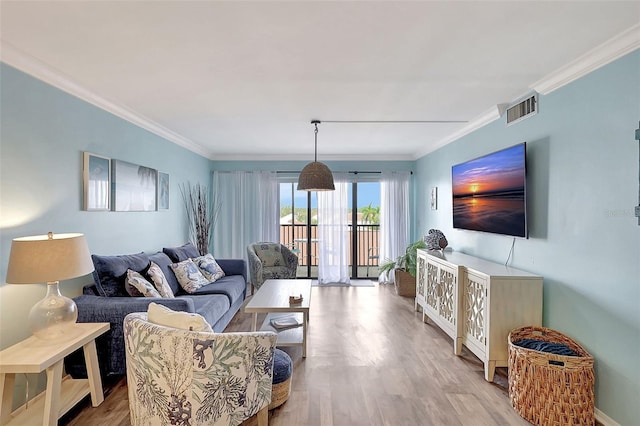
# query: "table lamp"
[[49, 258]]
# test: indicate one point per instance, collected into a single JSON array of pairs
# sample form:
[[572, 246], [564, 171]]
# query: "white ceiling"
[[242, 80]]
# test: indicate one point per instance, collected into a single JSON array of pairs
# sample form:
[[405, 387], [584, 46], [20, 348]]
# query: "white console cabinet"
[[477, 302]]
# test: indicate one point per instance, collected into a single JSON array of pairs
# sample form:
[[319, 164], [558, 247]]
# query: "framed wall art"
[[434, 198], [134, 187], [163, 191], [97, 182]]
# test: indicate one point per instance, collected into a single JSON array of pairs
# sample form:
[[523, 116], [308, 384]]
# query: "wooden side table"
[[34, 355]]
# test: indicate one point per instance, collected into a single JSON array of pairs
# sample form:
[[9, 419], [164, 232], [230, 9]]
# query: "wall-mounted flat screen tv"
[[490, 194]]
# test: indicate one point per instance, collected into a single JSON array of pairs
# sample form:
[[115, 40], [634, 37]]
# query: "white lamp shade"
[[48, 258]]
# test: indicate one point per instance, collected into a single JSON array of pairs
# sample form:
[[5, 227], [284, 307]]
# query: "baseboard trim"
[[604, 420]]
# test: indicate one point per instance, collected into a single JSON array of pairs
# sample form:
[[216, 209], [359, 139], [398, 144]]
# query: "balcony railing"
[[368, 241]]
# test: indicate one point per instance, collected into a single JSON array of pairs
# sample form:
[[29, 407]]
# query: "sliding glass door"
[[299, 227], [365, 229]]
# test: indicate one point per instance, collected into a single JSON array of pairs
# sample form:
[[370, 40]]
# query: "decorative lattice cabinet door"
[[474, 295], [421, 282], [433, 286], [447, 301]]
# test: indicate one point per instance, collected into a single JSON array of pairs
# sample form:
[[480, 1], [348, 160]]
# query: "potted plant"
[[404, 268]]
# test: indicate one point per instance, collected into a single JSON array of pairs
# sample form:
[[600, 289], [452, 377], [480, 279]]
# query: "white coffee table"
[[272, 298]]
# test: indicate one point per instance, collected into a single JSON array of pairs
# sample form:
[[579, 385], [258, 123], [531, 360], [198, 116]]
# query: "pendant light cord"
[[315, 156]]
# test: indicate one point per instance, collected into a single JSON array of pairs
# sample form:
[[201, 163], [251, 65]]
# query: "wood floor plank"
[[370, 361]]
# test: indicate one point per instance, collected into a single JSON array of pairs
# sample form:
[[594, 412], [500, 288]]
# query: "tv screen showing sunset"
[[489, 193]]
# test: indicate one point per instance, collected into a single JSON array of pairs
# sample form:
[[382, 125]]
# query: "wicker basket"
[[280, 393], [549, 389], [405, 283]]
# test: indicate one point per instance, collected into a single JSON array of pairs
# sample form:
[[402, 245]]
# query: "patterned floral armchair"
[[181, 377], [270, 260]]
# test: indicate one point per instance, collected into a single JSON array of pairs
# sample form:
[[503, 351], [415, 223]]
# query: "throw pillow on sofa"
[[110, 272], [209, 267], [160, 281], [161, 315], [189, 276], [182, 253], [139, 283]]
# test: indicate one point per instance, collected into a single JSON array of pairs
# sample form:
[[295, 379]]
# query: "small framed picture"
[[434, 198], [97, 182], [163, 191]]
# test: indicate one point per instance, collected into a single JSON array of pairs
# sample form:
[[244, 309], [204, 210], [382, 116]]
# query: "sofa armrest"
[[110, 345], [233, 267]]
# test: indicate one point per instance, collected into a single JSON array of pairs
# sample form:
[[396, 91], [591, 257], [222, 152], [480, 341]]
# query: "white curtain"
[[249, 211], [394, 217], [333, 244]]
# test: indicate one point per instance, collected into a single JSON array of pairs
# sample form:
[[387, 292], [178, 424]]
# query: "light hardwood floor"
[[370, 361]]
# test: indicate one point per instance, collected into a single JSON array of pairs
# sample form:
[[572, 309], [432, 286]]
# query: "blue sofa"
[[106, 300]]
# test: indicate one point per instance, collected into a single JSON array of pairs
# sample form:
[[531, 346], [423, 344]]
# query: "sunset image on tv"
[[489, 193]]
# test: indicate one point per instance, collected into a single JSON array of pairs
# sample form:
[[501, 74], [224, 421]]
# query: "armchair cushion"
[[277, 272], [161, 315], [197, 378], [270, 255]]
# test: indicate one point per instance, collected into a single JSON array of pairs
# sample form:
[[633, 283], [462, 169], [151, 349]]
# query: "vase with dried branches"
[[202, 213]]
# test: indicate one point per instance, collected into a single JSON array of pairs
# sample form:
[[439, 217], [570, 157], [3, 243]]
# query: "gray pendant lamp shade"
[[315, 176]]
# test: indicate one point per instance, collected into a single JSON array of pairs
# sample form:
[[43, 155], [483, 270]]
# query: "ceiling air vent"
[[523, 109]]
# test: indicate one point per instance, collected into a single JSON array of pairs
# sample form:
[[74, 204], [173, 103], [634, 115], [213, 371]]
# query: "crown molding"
[[307, 158], [38, 69], [607, 52], [492, 114]]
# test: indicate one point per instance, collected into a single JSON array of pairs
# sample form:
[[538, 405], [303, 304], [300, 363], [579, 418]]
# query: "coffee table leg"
[[305, 323], [255, 322]]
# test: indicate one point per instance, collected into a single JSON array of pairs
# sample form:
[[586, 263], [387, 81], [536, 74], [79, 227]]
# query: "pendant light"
[[315, 176]]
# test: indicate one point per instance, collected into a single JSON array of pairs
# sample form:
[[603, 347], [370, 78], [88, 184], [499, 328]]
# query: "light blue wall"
[[44, 132], [584, 239]]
